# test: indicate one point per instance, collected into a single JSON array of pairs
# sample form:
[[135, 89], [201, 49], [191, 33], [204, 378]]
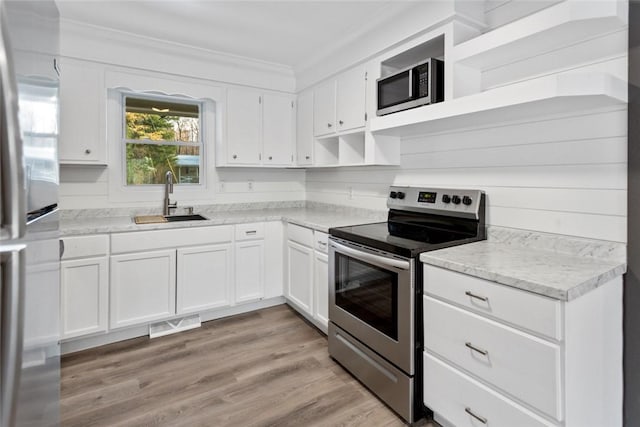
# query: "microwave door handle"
[[376, 259], [13, 199], [411, 83]]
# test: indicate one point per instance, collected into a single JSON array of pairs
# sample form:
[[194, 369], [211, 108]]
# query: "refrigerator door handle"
[[11, 313], [13, 185]]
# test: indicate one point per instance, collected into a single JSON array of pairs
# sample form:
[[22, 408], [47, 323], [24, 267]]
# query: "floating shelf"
[[555, 94], [557, 26]]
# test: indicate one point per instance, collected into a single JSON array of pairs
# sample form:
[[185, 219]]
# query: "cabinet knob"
[[341, 122], [235, 156], [87, 151], [329, 125], [307, 157], [270, 158]]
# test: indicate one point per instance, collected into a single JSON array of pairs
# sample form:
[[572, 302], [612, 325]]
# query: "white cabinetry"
[[82, 111], [249, 262], [143, 287], [259, 129], [84, 281], [307, 274], [204, 278], [304, 129], [324, 108], [502, 356]]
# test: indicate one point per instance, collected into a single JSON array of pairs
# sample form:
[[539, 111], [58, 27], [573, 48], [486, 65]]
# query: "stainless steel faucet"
[[168, 189]]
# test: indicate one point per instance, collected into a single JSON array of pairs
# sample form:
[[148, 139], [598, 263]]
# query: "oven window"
[[369, 293]]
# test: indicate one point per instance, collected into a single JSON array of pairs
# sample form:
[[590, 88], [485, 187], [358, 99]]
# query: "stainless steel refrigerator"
[[29, 236]]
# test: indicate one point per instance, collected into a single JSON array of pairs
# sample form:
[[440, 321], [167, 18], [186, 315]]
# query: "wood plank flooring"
[[265, 368]]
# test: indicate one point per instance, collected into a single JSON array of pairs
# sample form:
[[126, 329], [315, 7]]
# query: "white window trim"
[[211, 99]]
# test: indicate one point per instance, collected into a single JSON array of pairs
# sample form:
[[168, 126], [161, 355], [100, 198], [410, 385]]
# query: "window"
[[162, 134]]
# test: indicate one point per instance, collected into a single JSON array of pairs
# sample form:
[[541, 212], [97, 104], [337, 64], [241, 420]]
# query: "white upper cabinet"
[[278, 115], [244, 127], [82, 106], [350, 99], [339, 104], [260, 129], [324, 108], [304, 129]]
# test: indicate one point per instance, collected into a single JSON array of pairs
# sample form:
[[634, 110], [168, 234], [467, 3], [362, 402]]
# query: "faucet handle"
[[189, 210]]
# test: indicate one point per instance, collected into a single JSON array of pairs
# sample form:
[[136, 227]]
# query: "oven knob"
[[455, 200], [466, 200], [393, 194], [400, 195], [446, 198]]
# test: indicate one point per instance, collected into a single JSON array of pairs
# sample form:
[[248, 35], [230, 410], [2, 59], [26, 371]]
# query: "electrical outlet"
[[250, 185], [221, 187], [350, 193]]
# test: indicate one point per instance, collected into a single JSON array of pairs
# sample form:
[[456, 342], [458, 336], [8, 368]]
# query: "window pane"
[[162, 120], [148, 163]]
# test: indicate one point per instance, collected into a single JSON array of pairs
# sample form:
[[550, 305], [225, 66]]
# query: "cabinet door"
[[304, 129], [321, 287], [84, 296], [143, 287], [324, 108], [244, 126], [82, 100], [350, 104], [249, 261], [300, 276], [278, 119], [204, 278]]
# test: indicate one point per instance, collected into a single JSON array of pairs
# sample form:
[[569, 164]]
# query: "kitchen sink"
[[192, 217]]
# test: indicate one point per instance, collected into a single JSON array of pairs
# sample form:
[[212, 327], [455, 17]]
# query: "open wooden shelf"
[[560, 25], [549, 95]]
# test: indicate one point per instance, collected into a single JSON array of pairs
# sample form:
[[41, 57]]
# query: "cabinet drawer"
[[85, 246], [250, 231], [156, 239], [302, 235], [454, 396], [522, 365], [321, 241], [520, 308]]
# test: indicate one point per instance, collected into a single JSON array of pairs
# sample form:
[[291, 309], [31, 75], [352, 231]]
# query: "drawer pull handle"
[[474, 348], [250, 232], [472, 295], [322, 243], [483, 420]]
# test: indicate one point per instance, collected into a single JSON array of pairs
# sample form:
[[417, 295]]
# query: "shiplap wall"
[[564, 175]]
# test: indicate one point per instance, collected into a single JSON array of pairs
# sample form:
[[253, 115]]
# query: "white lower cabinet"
[[307, 267], [84, 296], [204, 277], [321, 288], [249, 270], [300, 276], [143, 287], [500, 356]]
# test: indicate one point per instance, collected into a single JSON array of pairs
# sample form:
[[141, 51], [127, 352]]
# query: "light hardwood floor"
[[265, 368]]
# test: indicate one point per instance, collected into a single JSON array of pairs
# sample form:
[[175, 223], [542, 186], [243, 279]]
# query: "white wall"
[[564, 175], [111, 51]]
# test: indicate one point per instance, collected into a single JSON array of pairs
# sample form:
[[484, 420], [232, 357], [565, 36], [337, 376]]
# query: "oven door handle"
[[377, 259]]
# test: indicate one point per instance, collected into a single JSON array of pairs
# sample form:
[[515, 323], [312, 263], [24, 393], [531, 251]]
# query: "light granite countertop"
[[559, 275], [315, 218]]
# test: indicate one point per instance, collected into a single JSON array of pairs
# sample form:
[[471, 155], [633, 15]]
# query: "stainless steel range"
[[375, 288]]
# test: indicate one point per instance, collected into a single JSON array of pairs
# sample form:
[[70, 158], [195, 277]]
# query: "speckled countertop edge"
[[311, 217], [552, 274]]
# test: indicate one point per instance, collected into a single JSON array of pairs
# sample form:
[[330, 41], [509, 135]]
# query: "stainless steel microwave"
[[412, 87]]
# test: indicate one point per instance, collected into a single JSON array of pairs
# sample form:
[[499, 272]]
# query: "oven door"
[[371, 296]]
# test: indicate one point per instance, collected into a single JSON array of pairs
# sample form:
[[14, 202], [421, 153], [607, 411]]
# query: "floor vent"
[[172, 326]]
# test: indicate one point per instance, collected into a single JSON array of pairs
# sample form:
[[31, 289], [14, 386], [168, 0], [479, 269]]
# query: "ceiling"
[[291, 33]]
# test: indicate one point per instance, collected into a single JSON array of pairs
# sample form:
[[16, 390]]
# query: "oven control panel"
[[448, 201]]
